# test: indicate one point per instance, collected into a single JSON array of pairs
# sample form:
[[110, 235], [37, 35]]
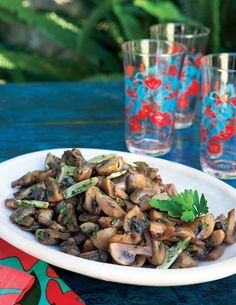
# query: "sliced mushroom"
[[90, 202], [125, 254], [96, 255], [22, 216], [183, 232], [79, 237], [171, 189], [33, 177], [129, 205], [216, 238], [161, 231], [109, 206], [53, 190], [158, 216], [121, 181], [11, 203], [67, 217], [89, 228], [114, 222], [143, 168], [203, 226], [28, 192], [88, 246], [51, 161], [139, 261], [126, 238], [184, 261], [134, 181], [230, 234], [85, 217], [35, 226], [69, 246], [135, 221], [112, 190], [215, 253], [83, 172], [198, 251], [44, 217], [102, 237], [73, 157], [141, 196], [110, 166], [158, 250], [50, 236]]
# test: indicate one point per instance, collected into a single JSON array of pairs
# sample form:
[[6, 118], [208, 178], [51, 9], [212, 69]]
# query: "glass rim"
[[205, 30], [215, 55], [169, 43]]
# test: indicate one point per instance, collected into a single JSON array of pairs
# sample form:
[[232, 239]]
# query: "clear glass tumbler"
[[194, 37], [152, 69], [218, 125]]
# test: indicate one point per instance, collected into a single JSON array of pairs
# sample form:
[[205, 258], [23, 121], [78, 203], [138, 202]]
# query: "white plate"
[[221, 198]]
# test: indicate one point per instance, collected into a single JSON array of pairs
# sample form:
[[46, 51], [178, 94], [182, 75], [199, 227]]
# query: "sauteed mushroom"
[[100, 209], [230, 233], [125, 254], [110, 166]]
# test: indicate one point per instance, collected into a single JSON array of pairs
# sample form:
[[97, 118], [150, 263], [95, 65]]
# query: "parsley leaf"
[[185, 205]]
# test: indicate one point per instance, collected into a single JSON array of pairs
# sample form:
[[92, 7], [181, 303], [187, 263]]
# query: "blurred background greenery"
[[57, 40]]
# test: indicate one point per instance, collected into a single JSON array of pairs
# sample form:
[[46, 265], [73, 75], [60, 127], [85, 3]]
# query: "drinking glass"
[[218, 124], [194, 37], [152, 68]]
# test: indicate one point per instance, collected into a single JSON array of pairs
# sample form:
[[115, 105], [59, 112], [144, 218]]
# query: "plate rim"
[[137, 275]]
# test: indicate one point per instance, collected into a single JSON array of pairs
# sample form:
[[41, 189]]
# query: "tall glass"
[[218, 125], [152, 69], [194, 37]]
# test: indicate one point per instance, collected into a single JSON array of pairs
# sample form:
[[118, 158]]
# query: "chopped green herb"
[[101, 158], [33, 203], [80, 187], [185, 205]]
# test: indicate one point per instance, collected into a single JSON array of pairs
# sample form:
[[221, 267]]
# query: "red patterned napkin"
[[13, 285], [19, 271]]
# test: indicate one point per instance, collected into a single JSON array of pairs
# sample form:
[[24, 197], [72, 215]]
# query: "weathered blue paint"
[[36, 117]]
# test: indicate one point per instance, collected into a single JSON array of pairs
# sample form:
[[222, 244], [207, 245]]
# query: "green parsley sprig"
[[187, 206]]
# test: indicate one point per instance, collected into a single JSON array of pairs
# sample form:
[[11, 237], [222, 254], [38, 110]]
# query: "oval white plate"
[[221, 198]]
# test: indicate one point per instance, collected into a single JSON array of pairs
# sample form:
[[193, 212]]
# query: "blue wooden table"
[[37, 117]]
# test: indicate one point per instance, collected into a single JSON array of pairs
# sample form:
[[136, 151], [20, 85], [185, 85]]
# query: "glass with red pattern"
[[152, 69], [218, 124], [194, 37]]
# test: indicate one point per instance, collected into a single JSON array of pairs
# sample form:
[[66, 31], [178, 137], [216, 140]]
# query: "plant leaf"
[[163, 10]]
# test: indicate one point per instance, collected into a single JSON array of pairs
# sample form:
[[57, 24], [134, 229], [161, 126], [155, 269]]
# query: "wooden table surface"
[[44, 116]]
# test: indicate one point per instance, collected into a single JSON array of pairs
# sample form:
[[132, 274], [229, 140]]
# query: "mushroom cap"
[[158, 253], [216, 238], [185, 260], [95, 255], [113, 190], [90, 202], [202, 226], [215, 253], [126, 238], [112, 165], [161, 231], [230, 234], [125, 254], [109, 206], [101, 240], [134, 181]]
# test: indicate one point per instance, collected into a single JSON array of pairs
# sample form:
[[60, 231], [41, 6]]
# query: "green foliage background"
[[94, 38]]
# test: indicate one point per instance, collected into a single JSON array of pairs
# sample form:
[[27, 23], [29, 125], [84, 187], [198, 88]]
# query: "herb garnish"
[[185, 205]]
